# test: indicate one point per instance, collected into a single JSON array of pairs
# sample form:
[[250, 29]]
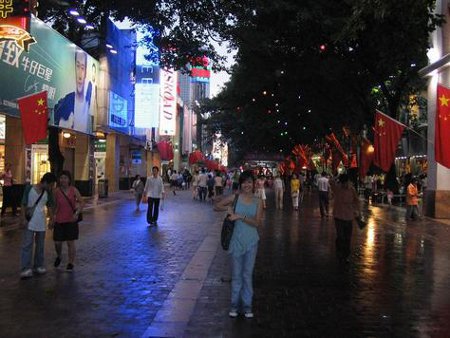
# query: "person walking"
[[68, 205], [247, 215], [138, 189], [32, 215], [152, 194], [412, 201], [218, 184], [323, 186], [295, 191], [345, 209], [278, 186], [8, 197], [260, 191], [195, 185], [202, 185]]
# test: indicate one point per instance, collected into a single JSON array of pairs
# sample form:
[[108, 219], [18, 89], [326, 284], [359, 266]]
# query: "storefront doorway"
[[39, 162]]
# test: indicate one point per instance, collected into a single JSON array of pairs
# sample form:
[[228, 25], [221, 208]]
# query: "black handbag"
[[80, 214], [227, 228]]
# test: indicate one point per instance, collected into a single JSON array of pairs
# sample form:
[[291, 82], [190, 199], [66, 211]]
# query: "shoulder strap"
[[236, 197], [67, 198], [40, 196]]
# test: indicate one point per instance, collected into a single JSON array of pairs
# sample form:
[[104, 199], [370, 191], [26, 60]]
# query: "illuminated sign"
[[146, 105], [20, 36], [10, 8], [118, 111], [168, 105], [146, 88]]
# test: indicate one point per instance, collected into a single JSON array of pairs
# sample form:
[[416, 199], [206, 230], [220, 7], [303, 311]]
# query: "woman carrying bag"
[[69, 205], [247, 216]]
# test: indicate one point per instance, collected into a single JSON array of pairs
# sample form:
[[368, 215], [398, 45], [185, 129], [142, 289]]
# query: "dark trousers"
[[152, 210], [202, 193], [8, 200], [323, 202], [343, 237]]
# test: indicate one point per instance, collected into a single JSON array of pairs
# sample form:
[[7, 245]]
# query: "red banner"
[[387, 133], [442, 128], [365, 158], [165, 150], [34, 116]]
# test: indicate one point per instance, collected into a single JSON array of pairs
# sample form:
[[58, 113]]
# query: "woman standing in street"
[[8, 198], [295, 190], [138, 188], [345, 209], [244, 243], [69, 204], [260, 190]]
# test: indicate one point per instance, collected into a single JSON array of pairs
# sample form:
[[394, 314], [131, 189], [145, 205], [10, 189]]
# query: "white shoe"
[[233, 313], [28, 273], [41, 270], [249, 314]]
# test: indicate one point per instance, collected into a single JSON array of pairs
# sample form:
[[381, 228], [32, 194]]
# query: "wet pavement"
[[173, 280]]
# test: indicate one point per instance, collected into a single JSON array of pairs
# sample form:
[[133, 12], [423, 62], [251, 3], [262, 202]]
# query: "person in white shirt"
[[202, 185], [278, 186], [153, 193], [32, 213], [324, 187], [218, 184]]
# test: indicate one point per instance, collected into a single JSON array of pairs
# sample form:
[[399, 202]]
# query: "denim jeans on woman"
[[29, 237], [242, 279]]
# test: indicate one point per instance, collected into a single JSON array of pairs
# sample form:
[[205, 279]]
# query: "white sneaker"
[[233, 313], [249, 314], [41, 270], [28, 273]]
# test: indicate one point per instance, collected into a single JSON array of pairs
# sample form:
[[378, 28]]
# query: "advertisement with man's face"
[[48, 62]]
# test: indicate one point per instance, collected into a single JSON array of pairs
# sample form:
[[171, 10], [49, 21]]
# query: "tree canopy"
[[303, 67]]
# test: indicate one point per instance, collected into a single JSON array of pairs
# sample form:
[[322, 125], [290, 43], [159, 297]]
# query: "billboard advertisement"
[[168, 105], [147, 89], [45, 60], [118, 111]]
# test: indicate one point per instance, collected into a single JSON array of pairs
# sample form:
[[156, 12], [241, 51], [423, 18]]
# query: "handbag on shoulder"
[[80, 214], [227, 228]]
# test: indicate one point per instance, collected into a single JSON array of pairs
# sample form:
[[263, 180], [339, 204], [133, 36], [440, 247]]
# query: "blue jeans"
[[29, 237], [242, 279]]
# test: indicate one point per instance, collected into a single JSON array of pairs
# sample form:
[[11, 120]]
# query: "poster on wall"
[[118, 111], [168, 106], [43, 60]]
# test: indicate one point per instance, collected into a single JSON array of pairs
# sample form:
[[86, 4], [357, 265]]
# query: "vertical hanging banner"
[[34, 116], [168, 102], [387, 134], [442, 128]]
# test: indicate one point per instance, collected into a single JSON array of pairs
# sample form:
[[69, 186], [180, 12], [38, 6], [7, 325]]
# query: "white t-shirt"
[[38, 221], [278, 183], [154, 187], [322, 184], [202, 180]]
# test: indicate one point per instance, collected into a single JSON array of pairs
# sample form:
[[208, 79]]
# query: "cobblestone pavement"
[[173, 280]]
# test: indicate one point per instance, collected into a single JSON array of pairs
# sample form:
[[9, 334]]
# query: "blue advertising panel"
[[118, 111]]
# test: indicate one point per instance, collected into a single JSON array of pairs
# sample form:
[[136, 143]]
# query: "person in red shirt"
[[69, 204]]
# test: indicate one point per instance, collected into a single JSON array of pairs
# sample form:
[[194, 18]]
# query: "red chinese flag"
[[34, 115], [442, 128], [387, 133]]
